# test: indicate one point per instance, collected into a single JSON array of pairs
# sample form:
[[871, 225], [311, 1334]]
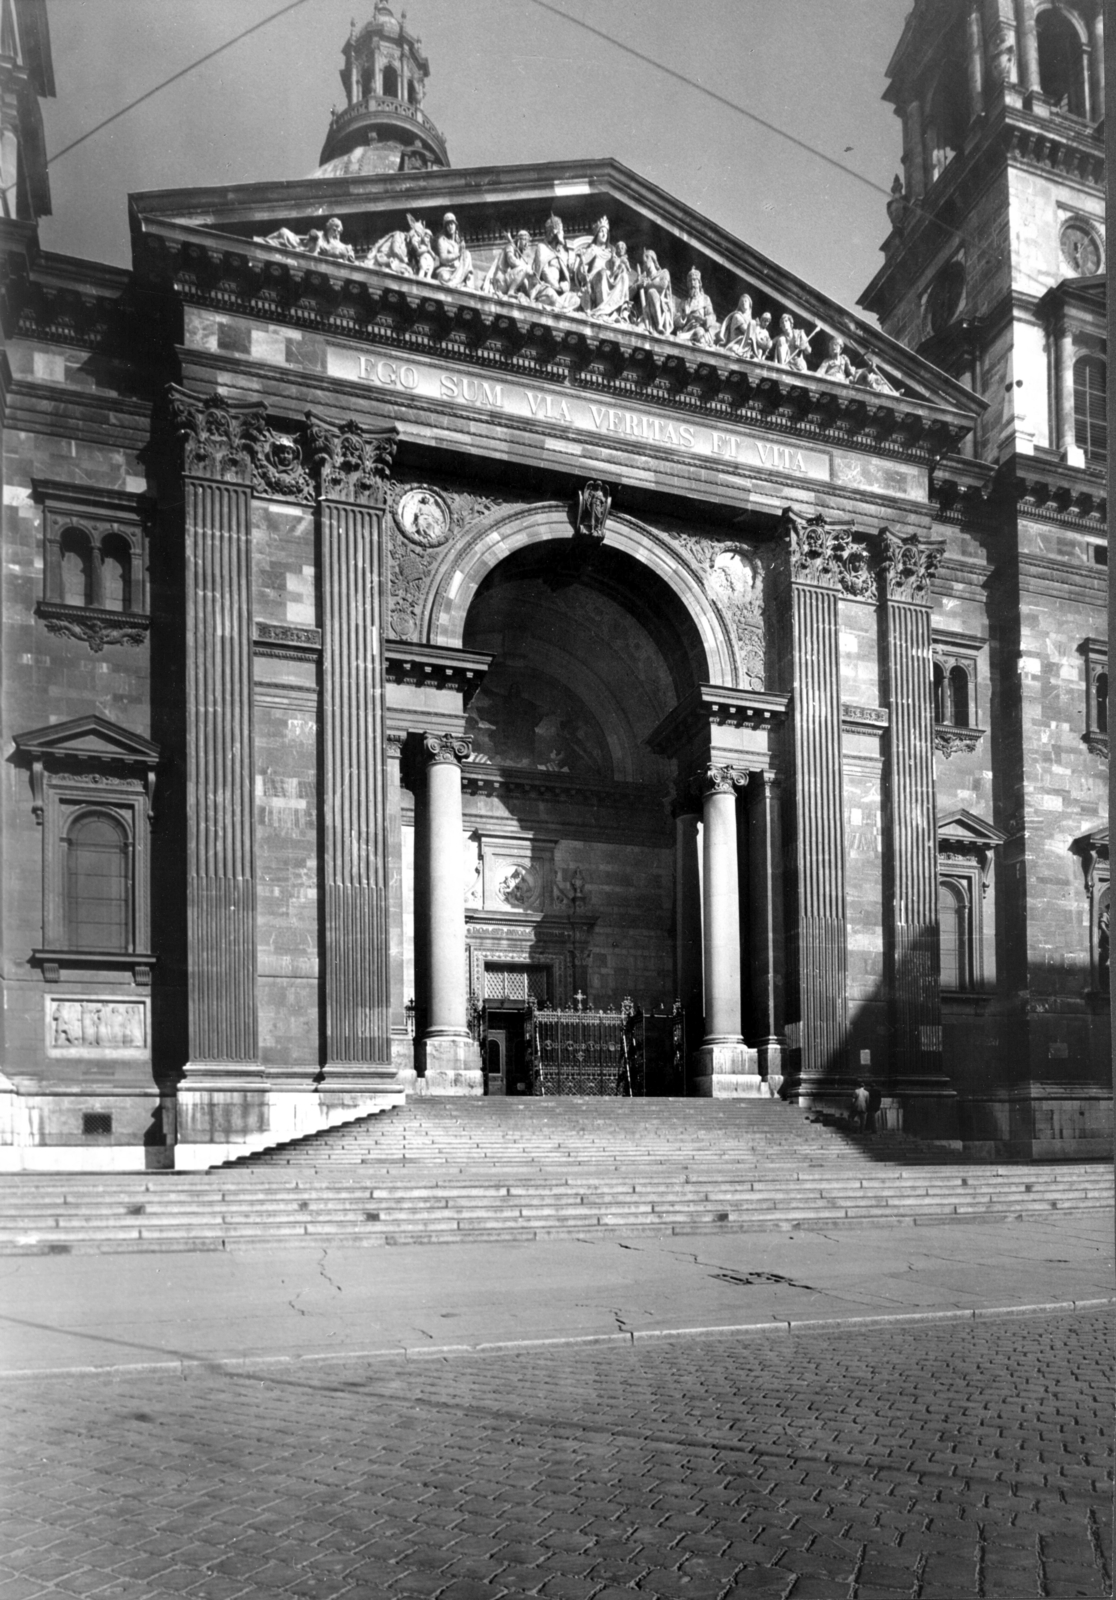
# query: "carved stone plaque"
[[99, 1027], [423, 517]]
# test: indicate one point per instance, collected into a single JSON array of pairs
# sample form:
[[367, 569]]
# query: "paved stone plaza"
[[941, 1460]]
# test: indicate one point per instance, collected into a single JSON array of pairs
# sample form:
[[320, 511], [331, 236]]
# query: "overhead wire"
[[913, 208], [174, 77]]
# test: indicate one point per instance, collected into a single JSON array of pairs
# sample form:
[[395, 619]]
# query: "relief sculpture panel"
[[96, 1027], [732, 577]]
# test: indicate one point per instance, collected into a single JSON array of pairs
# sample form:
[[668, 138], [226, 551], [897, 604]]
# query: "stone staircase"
[[452, 1170]]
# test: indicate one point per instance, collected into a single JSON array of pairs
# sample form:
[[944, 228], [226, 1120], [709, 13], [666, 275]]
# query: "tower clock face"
[[1081, 249]]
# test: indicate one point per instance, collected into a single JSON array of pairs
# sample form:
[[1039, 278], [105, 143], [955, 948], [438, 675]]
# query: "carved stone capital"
[[949, 740], [446, 747], [910, 566], [714, 779], [215, 434], [832, 557], [1097, 743], [352, 463]]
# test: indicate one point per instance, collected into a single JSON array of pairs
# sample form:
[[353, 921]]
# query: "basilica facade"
[[441, 601]]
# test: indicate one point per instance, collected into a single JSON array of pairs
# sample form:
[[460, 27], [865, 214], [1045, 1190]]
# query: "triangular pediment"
[[963, 827], [280, 226], [89, 738]]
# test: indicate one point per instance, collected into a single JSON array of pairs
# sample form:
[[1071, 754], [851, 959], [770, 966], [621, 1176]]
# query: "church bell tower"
[[994, 265], [382, 127]]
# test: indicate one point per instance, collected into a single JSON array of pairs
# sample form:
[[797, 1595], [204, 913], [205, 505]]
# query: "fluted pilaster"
[[765, 923], [356, 951], [910, 833], [220, 844], [818, 936]]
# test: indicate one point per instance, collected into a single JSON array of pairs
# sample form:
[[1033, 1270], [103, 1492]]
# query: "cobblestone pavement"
[[937, 1461]]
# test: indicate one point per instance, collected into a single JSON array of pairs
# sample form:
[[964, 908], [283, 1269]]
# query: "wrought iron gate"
[[623, 1052]]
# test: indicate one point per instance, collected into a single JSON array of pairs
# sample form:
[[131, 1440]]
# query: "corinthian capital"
[[216, 434], [352, 462], [911, 566], [439, 747]]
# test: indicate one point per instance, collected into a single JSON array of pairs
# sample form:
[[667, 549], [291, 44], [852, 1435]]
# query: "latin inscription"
[[618, 423]]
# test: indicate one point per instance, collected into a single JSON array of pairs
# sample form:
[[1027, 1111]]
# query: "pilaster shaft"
[[356, 950], [765, 901], [220, 809], [912, 865], [818, 937], [912, 149]]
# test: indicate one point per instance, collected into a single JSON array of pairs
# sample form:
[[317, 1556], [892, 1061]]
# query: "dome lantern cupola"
[[382, 128]]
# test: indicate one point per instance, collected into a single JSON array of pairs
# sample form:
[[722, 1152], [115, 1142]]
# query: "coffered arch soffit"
[[665, 590]]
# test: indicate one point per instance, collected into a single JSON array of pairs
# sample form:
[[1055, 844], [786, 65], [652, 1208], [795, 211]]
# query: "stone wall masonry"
[[288, 889], [284, 574], [48, 678]]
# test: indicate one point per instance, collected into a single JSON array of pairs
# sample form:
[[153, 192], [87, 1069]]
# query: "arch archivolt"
[[686, 579]]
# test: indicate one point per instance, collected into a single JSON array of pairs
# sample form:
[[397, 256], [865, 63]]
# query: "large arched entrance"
[[601, 794]]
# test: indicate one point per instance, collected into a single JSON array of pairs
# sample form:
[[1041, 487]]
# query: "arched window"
[[77, 568], [97, 892], [1061, 62], [1100, 689], [939, 694], [116, 574], [948, 120], [953, 924], [1090, 407], [959, 696], [391, 83], [366, 83]]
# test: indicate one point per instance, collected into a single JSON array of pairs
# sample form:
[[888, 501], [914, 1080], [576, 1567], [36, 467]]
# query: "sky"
[[509, 82]]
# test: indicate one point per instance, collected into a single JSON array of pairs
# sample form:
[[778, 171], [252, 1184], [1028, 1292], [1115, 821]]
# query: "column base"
[[449, 1065], [727, 1072]]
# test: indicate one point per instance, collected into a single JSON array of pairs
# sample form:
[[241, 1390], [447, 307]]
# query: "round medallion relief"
[[1081, 249], [423, 517]]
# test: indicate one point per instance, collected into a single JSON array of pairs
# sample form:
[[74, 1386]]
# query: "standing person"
[[875, 1101], [858, 1108]]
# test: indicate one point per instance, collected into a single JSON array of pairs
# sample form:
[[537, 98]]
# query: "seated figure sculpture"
[[653, 297], [737, 325], [454, 266], [756, 344], [592, 258], [551, 281], [696, 320], [615, 302], [511, 268], [792, 346], [837, 364], [870, 377]]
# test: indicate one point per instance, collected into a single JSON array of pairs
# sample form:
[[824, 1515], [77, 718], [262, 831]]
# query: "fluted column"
[[355, 944], [725, 1065], [449, 1054], [1096, 63], [765, 908], [220, 812], [1027, 44], [817, 938], [975, 60], [929, 1105], [687, 920]]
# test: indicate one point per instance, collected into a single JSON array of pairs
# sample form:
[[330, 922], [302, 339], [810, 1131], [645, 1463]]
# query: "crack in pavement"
[[324, 1274]]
